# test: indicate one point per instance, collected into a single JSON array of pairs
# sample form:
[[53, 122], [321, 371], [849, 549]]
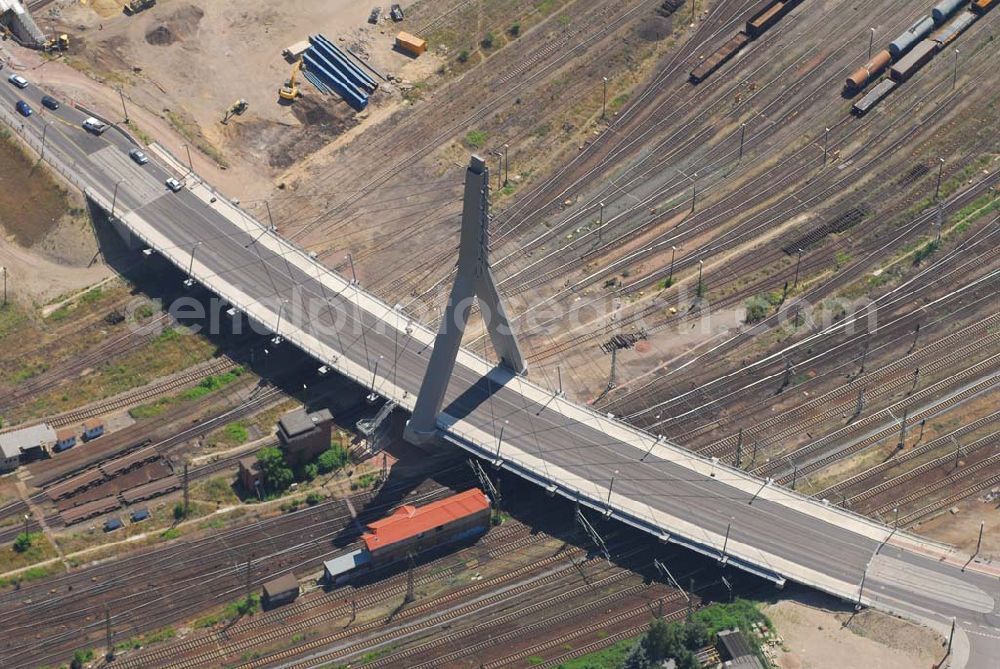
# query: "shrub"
[[23, 542], [757, 309], [487, 41], [314, 498], [179, 511], [310, 471], [514, 30], [333, 458], [463, 56]]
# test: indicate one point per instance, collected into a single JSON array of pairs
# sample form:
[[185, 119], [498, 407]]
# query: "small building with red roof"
[[411, 529]]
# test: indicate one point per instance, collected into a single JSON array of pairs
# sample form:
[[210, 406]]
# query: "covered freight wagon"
[[913, 61], [948, 33]]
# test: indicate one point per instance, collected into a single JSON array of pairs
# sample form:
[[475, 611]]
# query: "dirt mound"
[[654, 29], [177, 27]]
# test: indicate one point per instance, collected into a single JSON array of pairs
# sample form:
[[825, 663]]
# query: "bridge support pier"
[[473, 280]]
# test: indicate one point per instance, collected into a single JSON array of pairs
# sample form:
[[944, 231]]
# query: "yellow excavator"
[[290, 90]]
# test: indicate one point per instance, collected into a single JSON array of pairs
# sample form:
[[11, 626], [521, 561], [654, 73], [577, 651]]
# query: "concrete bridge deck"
[[659, 487]]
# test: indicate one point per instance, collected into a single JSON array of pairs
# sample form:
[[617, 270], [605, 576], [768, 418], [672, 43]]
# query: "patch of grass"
[[364, 481], [207, 385], [618, 101], [142, 640], [924, 251], [170, 533], [475, 139], [236, 432], [25, 552], [60, 314], [612, 657], [217, 490], [143, 137], [535, 660]]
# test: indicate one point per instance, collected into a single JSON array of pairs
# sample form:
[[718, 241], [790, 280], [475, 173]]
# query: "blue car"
[[23, 108]]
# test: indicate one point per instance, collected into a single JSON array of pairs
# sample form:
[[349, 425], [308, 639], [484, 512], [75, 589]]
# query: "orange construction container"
[[411, 43]]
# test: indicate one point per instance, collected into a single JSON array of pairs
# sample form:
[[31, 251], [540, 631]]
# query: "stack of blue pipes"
[[330, 70]]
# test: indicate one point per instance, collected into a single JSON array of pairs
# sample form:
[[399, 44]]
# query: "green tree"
[[23, 542], [333, 458], [277, 475], [179, 511], [514, 30], [463, 56], [487, 42], [310, 471]]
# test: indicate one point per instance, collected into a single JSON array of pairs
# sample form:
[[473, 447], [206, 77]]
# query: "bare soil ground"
[[815, 638], [46, 241]]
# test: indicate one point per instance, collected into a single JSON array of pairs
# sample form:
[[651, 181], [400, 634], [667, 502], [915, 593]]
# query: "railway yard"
[[696, 226]]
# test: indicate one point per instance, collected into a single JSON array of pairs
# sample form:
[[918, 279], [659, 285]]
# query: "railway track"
[[144, 394], [918, 451], [844, 398], [921, 513], [800, 455], [269, 626], [946, 482], [930, 465]]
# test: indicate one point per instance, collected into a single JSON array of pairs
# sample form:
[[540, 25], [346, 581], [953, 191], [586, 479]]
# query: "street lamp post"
[[937, 189], [114, 198], [45, 128], [610, 486], [604, 107], [871, 43], [954, 79], [673, 254]]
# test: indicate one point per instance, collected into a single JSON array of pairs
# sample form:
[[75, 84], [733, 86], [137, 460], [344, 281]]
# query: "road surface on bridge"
[[658, 487]]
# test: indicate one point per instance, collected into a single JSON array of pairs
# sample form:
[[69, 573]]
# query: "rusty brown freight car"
[[756, 26], [869, 70], [718, 57]]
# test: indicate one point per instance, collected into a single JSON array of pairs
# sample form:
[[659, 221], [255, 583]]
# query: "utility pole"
[[860, 406], [110, 654], [951, 636], [410, 596], [784, 295], [270, 219], [739, 448], [786, 378], [954, 79], [916, 335], [600, 226], [121, 94], [690, 608], [725, 542], [871, 43], [4, 270], [937, 189], [247, 593], [753, 456], [916, 378], [798, 263], [354, 610], [902, 431], [743, 135], [958, 451], [864, 353], [694, 191], [499, 169], [114, 197], [186, 498], [604, 106], [45, 129], [795, 474], [826, 144], [610, 488], [190, 162]]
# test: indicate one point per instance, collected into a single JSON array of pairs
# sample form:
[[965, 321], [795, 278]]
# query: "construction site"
[[763, 233]]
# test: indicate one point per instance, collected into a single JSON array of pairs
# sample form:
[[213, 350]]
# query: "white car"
[[138, 156], [18, 80], [95, 126], [173, 184]]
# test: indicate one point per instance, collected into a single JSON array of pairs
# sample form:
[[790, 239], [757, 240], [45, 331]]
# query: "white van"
[[94, 126]]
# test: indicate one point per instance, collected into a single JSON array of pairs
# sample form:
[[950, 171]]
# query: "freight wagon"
[[860, 77], [920, 29], [873, 97], [722, 55], [983, 6], [913, 61], [948, 33]]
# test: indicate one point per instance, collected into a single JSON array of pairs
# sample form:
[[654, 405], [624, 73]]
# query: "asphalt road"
[[898, 580]]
